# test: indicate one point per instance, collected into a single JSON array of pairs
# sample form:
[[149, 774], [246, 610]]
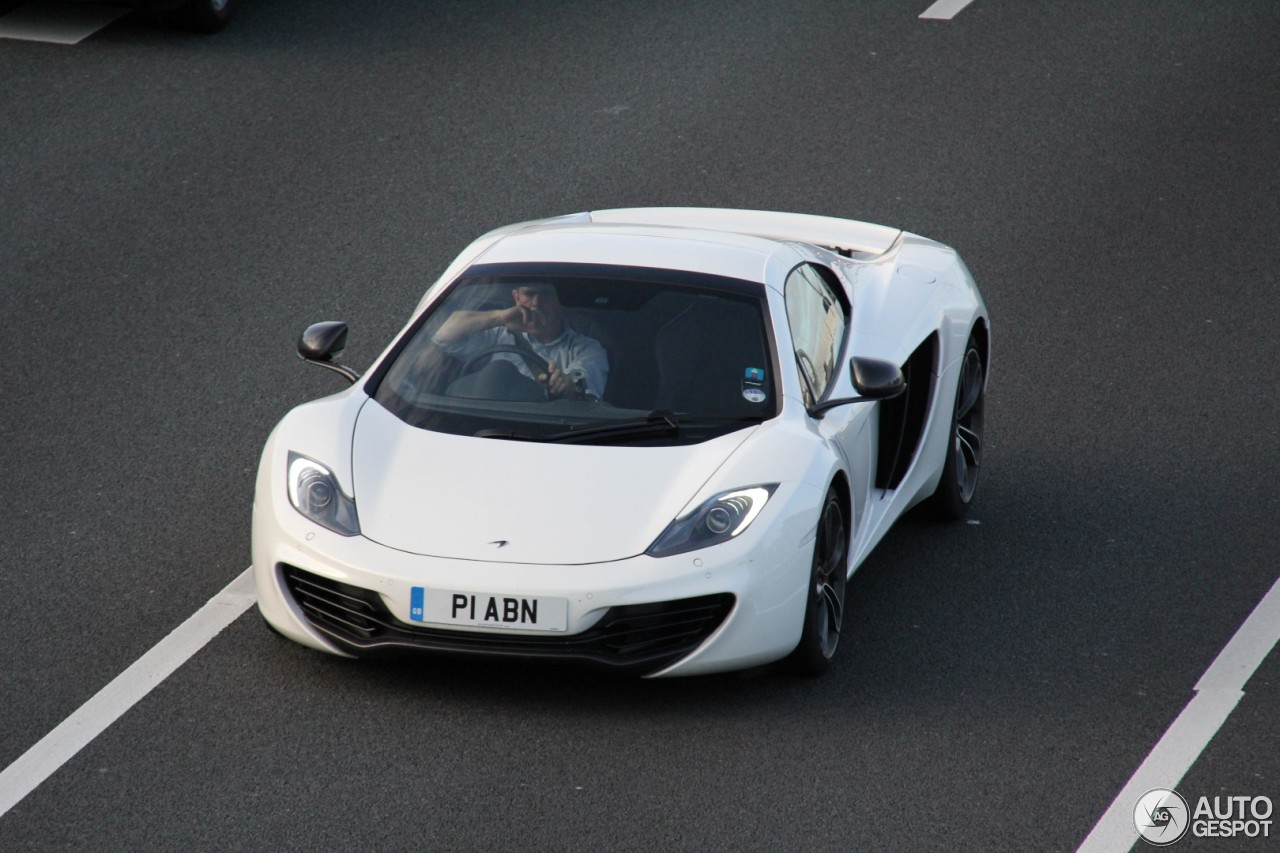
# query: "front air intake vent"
[[638, 637]]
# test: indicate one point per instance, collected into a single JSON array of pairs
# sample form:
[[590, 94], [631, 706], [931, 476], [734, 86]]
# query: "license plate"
[[514, 612]]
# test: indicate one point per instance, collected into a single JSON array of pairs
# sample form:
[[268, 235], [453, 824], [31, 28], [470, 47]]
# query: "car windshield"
[[585, 354]]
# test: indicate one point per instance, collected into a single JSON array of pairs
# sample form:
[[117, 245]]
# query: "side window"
[[817, 320]]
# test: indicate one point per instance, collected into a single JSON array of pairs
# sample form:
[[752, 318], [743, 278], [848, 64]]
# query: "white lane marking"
[[127, 689], [58, 23], [944, 10], [1217, 693]]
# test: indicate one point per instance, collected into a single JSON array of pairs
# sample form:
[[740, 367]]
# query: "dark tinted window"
[[538, 350]]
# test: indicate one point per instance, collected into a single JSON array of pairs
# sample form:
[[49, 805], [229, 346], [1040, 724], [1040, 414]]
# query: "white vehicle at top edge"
[[653, 440]]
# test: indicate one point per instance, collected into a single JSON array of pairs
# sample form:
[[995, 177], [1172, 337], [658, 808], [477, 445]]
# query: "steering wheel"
[[536, 365]]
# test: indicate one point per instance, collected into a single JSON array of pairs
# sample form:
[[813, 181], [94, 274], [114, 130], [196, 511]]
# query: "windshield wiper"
[[660, 422], [657, 423], [510, 435]]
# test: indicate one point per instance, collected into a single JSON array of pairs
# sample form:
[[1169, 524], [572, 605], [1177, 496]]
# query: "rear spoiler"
[[843, 235]]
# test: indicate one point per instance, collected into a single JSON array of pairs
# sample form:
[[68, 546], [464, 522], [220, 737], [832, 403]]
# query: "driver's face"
[[542, 307]]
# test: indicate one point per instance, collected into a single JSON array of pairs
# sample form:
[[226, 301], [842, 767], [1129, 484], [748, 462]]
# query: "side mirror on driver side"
[[322, 343]]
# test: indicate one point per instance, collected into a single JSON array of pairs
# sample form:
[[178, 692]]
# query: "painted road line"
[[1218, 692], [944, 10], [111, 702], [58, 23]]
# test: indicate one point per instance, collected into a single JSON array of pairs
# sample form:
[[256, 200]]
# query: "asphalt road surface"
[[174, 209]]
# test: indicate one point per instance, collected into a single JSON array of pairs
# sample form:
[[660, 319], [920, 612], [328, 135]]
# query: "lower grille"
[[636, 637]]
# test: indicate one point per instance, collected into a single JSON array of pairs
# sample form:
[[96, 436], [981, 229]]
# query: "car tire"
[[960, 472], [206, 16], [828, 578]]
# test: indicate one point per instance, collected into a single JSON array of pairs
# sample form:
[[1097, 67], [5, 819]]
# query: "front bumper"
[[730, 606], [638, 638]]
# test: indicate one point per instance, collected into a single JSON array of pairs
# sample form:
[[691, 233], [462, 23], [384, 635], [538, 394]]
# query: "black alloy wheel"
[[964, 457], [828, 577]]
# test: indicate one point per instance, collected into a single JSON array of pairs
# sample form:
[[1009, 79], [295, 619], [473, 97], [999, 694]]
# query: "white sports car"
[[652, 440]]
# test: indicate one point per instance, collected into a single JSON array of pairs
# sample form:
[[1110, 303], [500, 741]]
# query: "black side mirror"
[[874, 379], [322, 343]]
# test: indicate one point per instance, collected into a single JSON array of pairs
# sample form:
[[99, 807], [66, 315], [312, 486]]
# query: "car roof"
[[723, 253]]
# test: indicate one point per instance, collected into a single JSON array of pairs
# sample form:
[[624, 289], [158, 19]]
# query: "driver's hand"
[[559, 383], [522, 318], [515, 319]]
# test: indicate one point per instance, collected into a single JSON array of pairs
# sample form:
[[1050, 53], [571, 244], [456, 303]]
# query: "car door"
[[818, 315]]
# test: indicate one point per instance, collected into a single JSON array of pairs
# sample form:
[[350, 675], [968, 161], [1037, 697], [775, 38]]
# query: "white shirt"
[[580, 356]]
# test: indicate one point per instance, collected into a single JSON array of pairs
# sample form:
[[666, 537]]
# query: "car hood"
[[495, 500]]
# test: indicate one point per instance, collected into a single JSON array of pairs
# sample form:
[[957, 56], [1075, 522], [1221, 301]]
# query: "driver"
[[576, 365]]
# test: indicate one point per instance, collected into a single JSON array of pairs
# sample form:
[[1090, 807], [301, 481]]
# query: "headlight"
[[718, 520], [314, 492]]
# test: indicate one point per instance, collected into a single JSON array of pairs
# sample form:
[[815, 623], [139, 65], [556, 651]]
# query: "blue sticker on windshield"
[[754, 374]]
